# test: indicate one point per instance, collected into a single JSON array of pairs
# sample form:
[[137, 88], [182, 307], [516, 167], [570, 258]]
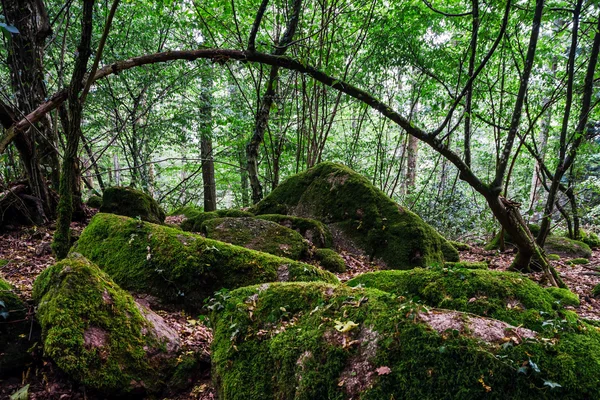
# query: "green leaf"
[[21, 394]]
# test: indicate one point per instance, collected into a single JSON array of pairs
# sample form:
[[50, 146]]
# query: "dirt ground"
[[28, 253]]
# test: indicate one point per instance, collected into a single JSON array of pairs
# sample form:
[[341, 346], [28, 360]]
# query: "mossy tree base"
[[179, 267]]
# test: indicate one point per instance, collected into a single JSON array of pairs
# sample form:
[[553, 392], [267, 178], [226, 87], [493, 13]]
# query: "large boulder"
[[360, 217], [15, 325], [312, 230], [95, 331], [507, 296], [195, 219], [131, 203], [566, 247], [179, 267], [257, 234], [317, 341]]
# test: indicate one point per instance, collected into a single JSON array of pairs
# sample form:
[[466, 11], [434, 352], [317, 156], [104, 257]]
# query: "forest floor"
[[28, 251]]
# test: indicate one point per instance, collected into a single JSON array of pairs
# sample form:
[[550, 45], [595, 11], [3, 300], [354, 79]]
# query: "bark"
[[471, 72], [25, 61], [262, 117], [62, 237], [206, 149]]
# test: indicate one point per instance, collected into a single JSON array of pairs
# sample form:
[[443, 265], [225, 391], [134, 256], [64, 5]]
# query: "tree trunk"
[[62, 237], [206, 149], [25, 60]]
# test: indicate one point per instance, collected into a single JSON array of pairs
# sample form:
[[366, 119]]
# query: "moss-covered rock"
[[359, 215], [553, 257], [131, 203], [323, 342], [94, 201], [312, 230], [14, 331], [579, 261], [468, 264], [179, 267], [257, 234], [330, 260], [98, 334], [589, 238], [566, 247], [507, 296], [460, 246], [194, 220], [187, 211]]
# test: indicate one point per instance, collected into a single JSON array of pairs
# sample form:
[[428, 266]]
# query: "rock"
[[95, 331], [590, 238], [257, 234], [566, 247], [131, 203], [507, 296], [312, 230], [319, 341], [179, 267], [194, 220], [359, 216], [94, 201], [330, 260], [15, 326]]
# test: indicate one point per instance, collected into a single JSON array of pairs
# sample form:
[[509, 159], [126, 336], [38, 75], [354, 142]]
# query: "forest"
[[300, 199]]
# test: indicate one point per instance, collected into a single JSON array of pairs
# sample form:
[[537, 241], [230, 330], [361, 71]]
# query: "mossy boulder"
[[317, 341], [194, 220], [14, 332], [312, 230], [98, 334], [566, 247], [494, 244], [257, 234], [507, 296], [330, 260], [131, 203], [94, 201], [553, 257], [468, 264], [179, 267], [579, 261], [589, 238], [359, 215], [460, 246]]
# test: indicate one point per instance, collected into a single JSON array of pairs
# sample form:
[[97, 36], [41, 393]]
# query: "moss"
[[257, 234], [507, 296], [95, 332], [349, 203], [553, 257], [195, 220], [564, 296], [94, 201], [494, 244], [14, 332], [460, 246], [312, 230], [330, 260], [567, 247], [132, 203], [322, 342], [589, 238], [3, 262], [596, 291], [187, 211], [468, 264], [180, 267], [579, 261]]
